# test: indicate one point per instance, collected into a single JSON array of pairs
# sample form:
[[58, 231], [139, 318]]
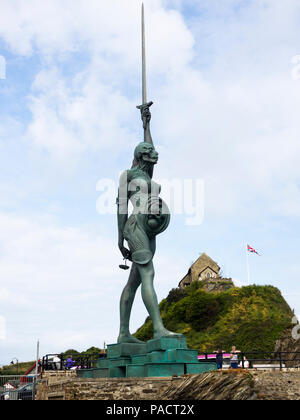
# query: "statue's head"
[[145, 152]]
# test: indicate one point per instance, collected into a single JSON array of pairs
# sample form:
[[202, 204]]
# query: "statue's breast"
[[155, 188], [143, 185]]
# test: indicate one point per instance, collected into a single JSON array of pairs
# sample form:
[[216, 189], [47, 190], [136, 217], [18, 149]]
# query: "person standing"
[[219, 359], [246, 364], [57, 362], [234, 361]]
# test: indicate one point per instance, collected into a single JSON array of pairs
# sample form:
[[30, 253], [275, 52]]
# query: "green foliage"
[[70, 352], [252, 318], [175, 295], [21, 369], [92, 350]]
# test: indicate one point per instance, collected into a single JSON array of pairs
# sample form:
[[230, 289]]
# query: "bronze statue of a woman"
[[149, 218]]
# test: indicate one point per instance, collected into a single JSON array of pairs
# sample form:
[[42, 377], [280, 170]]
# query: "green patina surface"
[[164, 369], [166, 343], [165, 357], [101, 373], [200, 367], [103, 363], [125, 349], [182, 355], [136, 371], [141, 359], [85, 373]]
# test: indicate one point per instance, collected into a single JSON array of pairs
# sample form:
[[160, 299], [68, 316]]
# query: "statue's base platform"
[[163, 357]]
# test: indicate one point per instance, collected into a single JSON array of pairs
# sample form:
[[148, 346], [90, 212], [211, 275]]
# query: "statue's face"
[[147, 153]]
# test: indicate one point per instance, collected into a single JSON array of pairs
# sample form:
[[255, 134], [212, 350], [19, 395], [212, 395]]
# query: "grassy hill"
[[252, 318], [14, 370]]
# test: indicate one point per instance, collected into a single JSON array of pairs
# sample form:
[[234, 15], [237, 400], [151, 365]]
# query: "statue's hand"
[[125, 252], [146, 115]]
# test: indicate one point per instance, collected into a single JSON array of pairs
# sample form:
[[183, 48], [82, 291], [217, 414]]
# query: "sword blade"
[[144, 57]]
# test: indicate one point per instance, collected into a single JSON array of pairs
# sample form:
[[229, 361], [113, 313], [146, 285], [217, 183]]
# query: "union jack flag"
[[250, 249]]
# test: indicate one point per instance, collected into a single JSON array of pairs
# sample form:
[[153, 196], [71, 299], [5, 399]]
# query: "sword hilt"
[[144, 106]]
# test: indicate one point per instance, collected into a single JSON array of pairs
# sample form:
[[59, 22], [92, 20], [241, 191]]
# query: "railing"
[[87, 361], [260, 360], [17, 387]]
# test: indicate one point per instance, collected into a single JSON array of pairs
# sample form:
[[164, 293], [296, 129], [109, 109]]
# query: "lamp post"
[[12, 363]]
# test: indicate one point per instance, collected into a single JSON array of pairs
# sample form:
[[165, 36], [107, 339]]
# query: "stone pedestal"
[[163, 357]]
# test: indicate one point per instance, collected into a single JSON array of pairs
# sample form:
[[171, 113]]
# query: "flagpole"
[[248, 265]]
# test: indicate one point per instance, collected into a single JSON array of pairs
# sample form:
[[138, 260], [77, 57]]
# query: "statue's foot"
[[165, 333], [128, 338]]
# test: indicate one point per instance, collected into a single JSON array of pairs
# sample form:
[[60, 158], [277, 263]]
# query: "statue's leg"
[[126, 303], [150, 300]]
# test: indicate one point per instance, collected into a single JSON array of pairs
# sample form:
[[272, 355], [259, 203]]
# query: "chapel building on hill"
[[206, 270]]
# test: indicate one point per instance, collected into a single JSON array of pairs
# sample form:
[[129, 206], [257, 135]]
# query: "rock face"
[[287, 344], [238, 385], [213, 386]]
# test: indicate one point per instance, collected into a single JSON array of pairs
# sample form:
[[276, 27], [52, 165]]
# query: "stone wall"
[[224, 385], [71, 388]]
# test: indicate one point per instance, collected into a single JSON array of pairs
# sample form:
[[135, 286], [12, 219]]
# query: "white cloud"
[[70, 118]]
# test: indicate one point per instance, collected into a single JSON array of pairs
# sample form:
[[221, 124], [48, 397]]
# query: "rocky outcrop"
[[213, 386], [217, 285], [239, 385], [287, 344]]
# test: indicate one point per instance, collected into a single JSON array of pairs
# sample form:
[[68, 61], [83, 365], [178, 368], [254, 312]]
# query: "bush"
[[176, 295]]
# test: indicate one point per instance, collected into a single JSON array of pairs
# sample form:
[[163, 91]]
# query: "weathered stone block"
[[101, 373], [200, 367], [157, 357], [117, 372], [136, 371], [182, 355], [141, 359], [85, 373], [166, 343], [125, 349], [121, 361], [103, 363], [164, 369]]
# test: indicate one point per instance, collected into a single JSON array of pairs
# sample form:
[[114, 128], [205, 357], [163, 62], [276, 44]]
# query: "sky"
[[224, 76]]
